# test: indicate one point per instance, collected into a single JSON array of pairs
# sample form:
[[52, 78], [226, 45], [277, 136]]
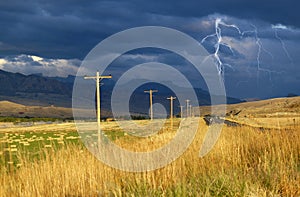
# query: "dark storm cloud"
[[62, 32], [57, 29], [273, 11], [69, 29]]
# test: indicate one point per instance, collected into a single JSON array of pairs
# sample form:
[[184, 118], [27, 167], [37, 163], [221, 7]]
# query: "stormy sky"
[[259, 50]]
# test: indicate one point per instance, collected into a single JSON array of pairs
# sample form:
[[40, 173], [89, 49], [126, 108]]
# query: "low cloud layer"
[[28, 64]]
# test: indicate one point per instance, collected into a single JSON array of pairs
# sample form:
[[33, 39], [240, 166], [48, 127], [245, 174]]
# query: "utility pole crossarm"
[[171, 98], [148, 91], [100, 77]]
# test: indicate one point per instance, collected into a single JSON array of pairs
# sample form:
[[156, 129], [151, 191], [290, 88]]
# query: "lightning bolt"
[[282, 27], [219, 23], [258, 56], [260, 48], [218, 35]]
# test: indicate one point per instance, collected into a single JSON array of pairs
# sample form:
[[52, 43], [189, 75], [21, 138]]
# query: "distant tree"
[[291, 95], [138, 117]]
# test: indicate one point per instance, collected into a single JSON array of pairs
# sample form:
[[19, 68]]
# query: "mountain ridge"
[[36, 89]]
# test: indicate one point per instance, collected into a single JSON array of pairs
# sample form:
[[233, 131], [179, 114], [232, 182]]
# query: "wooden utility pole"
[[98, 79], [150, 95], [171, 98], [187, 107], [181, 111]]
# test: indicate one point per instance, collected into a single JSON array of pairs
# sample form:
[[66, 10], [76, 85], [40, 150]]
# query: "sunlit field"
[[50, 160]]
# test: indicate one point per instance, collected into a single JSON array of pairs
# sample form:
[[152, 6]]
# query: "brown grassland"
[[246, 161]]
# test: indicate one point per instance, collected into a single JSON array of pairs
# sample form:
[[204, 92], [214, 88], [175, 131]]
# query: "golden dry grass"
[[10, 128], [276, 122], [8, 108], [245, 162]]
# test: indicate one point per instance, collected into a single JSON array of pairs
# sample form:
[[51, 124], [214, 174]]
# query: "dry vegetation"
[[246, 161], [8, 108]]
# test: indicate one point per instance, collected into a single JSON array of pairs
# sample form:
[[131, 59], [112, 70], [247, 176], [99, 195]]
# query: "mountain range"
[[34, 90], [37, 90]]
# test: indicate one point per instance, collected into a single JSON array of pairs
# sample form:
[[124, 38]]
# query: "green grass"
[[29, 119], [114, 134], [32, 144]]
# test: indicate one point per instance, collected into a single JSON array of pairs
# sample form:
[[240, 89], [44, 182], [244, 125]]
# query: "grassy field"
[[49, 160]]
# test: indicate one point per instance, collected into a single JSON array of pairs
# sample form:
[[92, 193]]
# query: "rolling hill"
[[10, 109], [271, 113], [287, 106]]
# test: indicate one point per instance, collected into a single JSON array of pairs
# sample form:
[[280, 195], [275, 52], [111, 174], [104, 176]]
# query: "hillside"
[[271, 113], [11, 109], [267, 108], [283, 107]]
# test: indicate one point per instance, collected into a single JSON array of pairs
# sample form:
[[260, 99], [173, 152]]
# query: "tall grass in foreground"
[[245, 162]]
